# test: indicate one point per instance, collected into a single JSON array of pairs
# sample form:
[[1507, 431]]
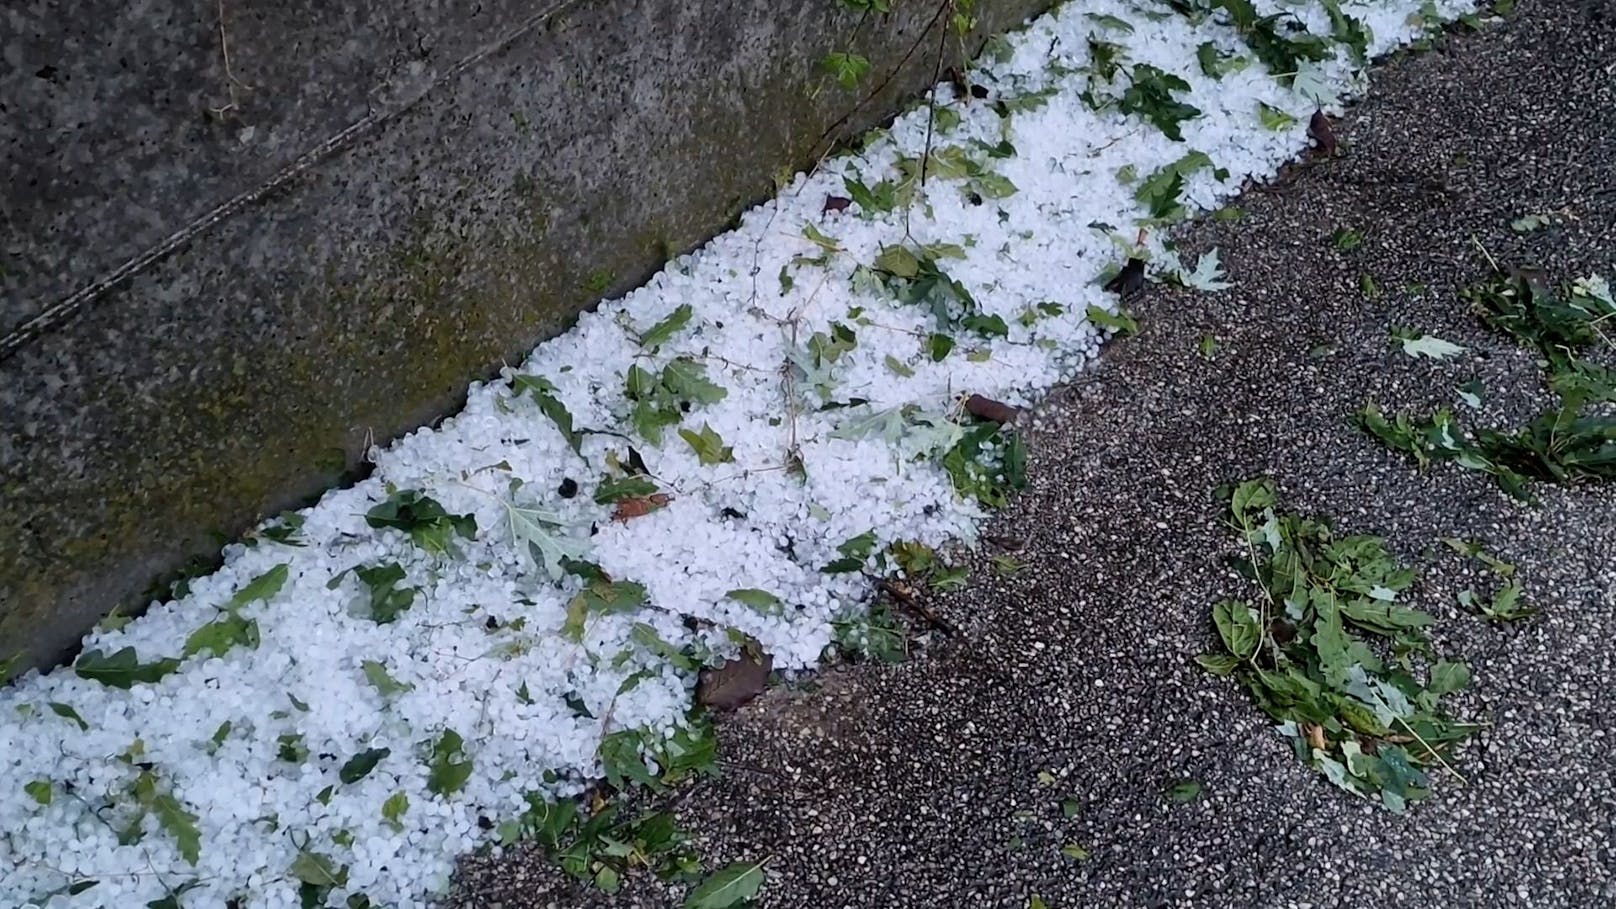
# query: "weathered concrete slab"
[[220, 283]]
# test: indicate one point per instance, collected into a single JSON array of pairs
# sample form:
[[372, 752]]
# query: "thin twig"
[[230, 80], [842, 120], [908, 601], [931, 100], [1433, 752]]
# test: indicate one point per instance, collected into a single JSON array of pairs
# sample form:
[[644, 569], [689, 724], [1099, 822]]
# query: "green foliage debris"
[[1328, 652]]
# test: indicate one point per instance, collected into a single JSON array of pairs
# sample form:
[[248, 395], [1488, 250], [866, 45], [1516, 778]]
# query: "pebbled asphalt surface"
[[919, 784]]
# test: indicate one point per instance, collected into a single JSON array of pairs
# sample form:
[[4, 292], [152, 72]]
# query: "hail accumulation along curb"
[[517, 602]]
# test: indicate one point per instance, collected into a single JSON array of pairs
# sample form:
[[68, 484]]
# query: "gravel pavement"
[[920, 784]]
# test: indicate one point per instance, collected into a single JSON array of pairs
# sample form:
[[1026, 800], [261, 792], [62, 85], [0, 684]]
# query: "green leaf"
[[879, 199], [39, 790], [1346, 239], [394, 808], [219, 736], [819, 239], [1219, 664], [601, 597], [849, 69], [898, 366], [66, 712], [318, 870], [121, 669], [1385, 618], [1239, 627], [993, 186], [991, 326], [171, 816], [622, 761], [425, 521], [1109, 21], [448, 767], [1184, 791], [543, 392], [611, 491], [1474, 550], [687, 379], [1217, 64], [828, 348], [537, 533], [1273, 118], [1349, 31], [1252, 496], [853, 553], [1447, 678], [289, 747], [898, 260], [1150, 96], [734, 885], [1505, 605], [1159, 192], [1430, 346], [1074, 852], [761, 600], [658, 334], [647, 637], [360, 765], [708, 445], [388, 600], [1119, 321], [221, 634], [1206, 276], [264, 587], [379, 678], [938, 347]]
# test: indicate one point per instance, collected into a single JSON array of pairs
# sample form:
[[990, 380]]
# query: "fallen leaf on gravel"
[[1427, 345], [1315, 735], [1184, 791], [628, 509], [734, 885], [1323, 134], [736, 682], [990, 410]]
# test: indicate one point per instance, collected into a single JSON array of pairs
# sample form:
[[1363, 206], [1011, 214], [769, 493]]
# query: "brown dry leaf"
[[628, 509], [736, 682], [1323, 133], [836, 203], [1315, 735], [990, 410]]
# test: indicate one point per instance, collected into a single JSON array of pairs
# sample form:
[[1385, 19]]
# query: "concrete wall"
[[217, 284]]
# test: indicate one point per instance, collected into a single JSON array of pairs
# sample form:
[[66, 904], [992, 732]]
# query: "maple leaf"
[[535, 531]]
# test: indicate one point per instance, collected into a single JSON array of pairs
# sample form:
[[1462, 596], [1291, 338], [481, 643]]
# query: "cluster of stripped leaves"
[[595, 839], [1570, 443], [1330, 654]]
